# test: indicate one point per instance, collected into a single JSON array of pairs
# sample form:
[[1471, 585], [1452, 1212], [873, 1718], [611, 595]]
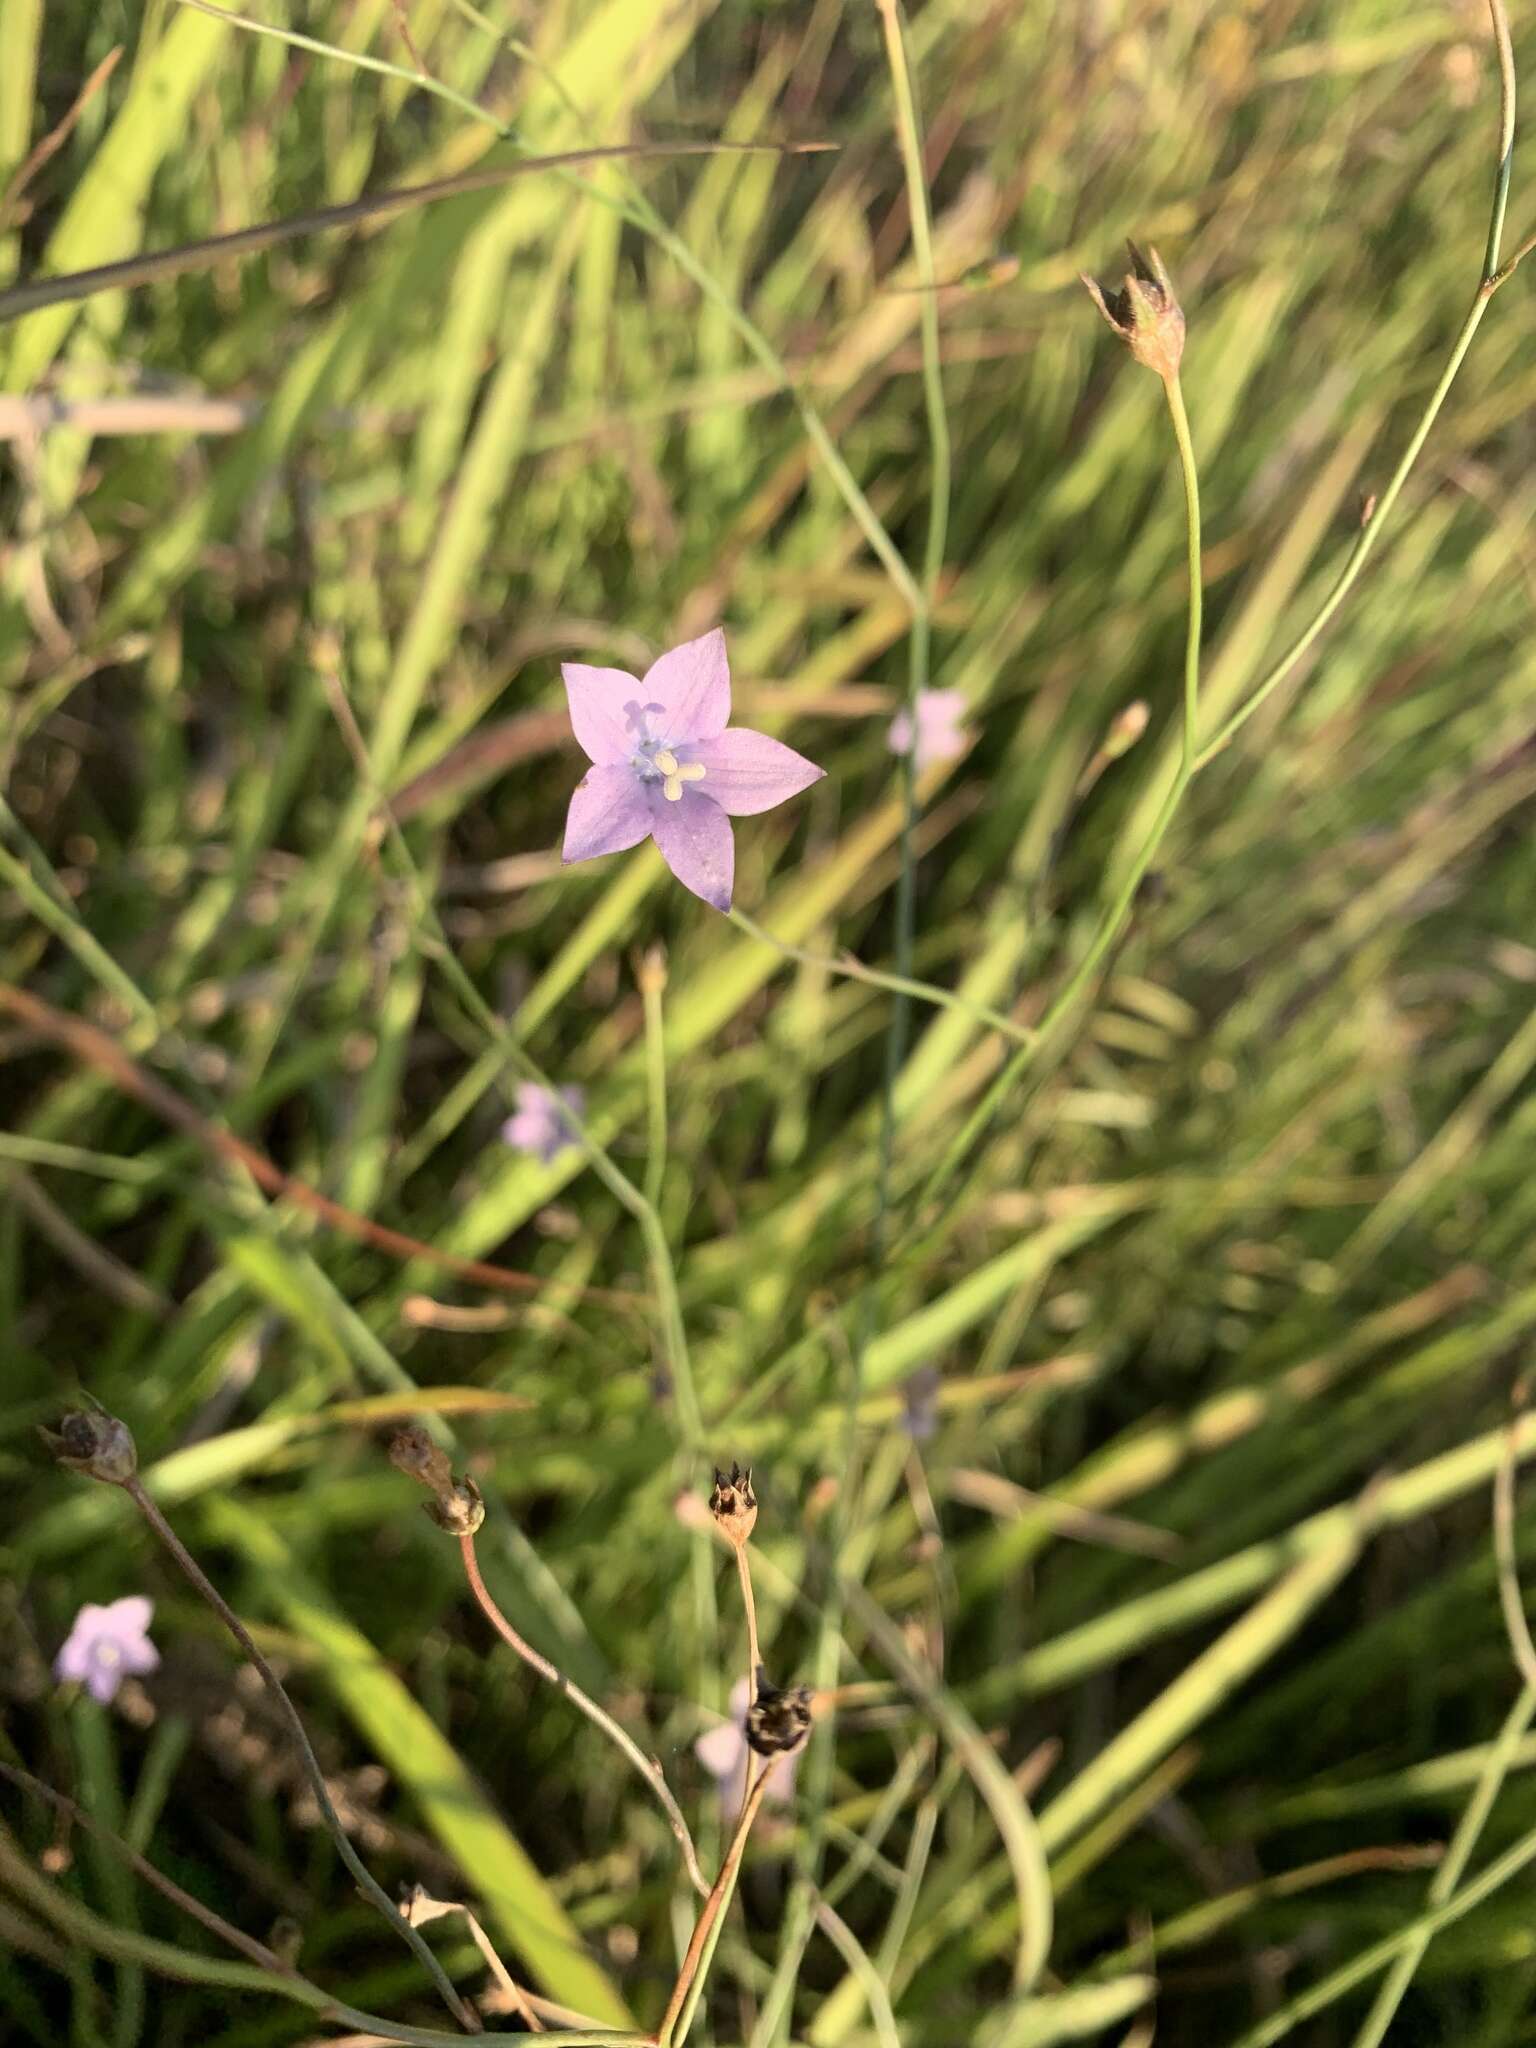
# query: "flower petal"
[[102, 1681], [129, 1616], [720, 1750], [608, 814], [139, 1655], [746, 772], [781, 1780], [692, 684], [597, 697], [694, 835], [74, 1658]]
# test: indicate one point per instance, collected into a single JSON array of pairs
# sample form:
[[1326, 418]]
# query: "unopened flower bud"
[[457, 1505], [95, 1443], [779, 1718], [1126, 729], [1144, 313], [651, 970], [733, 1504], [413, 1452], [460, 1509]]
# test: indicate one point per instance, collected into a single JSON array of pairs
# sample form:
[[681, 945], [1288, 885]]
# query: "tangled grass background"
[[1124, 1401]]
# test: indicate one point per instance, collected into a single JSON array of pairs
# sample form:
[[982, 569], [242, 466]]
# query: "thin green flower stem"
[[1339, 1983], [1189, 470], [1500, 1757], [921, 637], [649, 1768], [652, 990], [688, 1989], [799, 1920], [744, 1573], [855, 970], [1365, 541], [366, 1882], [618, 1183], [1114, 919], [613, 1177]]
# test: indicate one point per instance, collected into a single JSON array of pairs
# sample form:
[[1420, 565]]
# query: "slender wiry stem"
[[899, 984], [744, 1573], [367, 1883], [683, 2003], [1173, 391], [648, 1767], [1115, 917], [652, 977], [608, 1171], [1192, 762]]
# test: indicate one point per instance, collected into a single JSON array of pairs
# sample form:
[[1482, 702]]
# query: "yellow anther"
[[677, 775]]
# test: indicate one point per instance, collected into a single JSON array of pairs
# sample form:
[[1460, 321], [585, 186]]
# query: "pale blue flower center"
[[655, 758]]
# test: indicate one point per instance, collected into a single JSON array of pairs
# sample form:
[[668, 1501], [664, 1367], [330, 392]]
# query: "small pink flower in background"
[[940, 733], [541, 1124], [665, 768], [724, 1753], [107, 1645]]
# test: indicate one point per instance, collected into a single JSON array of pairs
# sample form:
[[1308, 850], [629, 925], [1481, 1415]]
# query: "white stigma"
[[677, 773]]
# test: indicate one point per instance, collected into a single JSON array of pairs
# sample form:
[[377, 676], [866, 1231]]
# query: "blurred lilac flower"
[[665, 768], [920, 1404], [106, 1644], [723, 1752], [940, 734], [542, 1122]]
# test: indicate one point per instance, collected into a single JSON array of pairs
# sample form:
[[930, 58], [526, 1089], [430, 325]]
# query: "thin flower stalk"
[[744, 1573], [686, 1992], [366, 1882], [1113, 921], [652, 1230], [647, 1767], [899, 984]]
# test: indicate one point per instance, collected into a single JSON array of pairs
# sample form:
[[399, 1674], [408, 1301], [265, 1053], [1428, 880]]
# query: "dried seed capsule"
[[1145, 313], [733, 1504], [95, 1443], [779, 1718]]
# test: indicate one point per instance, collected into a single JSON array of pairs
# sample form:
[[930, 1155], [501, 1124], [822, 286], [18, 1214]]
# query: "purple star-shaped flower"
[[665, 768], [940, 734], [106, 1644], [541, 1123]]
